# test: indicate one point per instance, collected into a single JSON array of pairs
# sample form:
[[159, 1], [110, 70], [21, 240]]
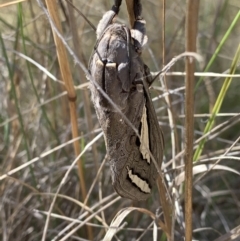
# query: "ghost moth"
[[118, 72]]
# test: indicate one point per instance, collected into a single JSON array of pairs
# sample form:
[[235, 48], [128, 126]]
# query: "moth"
[[118, 74]]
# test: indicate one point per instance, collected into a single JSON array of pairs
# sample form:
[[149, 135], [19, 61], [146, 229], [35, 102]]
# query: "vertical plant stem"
[[163, 33], [86, 100], [164, 200], [161, 185], [67, 78], [131, 15], [191, 35]]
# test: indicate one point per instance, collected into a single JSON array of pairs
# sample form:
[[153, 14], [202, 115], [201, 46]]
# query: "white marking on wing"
[[144, 140], [143, 185]]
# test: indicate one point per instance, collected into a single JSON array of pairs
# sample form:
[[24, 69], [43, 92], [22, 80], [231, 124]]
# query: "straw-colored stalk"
[[190, 45], [68, 81]]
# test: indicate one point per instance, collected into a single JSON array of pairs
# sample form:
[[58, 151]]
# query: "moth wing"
[[156, 140]]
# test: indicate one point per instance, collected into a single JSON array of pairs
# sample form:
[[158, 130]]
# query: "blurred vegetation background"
[[36, 150]]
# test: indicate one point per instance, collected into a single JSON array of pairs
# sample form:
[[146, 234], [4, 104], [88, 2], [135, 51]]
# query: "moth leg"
[[138, 32], [99, 78], [113, 86], [116, 6], [106, 78], [98, 69], [108, 18]]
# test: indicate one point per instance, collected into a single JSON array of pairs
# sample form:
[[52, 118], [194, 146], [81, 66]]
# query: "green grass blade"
[[218, 104], [225, 37]]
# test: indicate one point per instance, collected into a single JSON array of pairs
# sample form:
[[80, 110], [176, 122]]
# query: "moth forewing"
[[156, 138]]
